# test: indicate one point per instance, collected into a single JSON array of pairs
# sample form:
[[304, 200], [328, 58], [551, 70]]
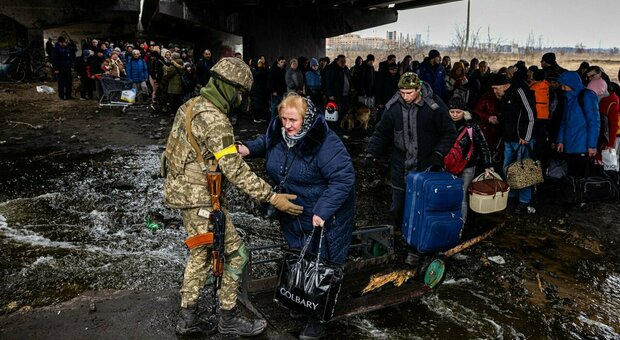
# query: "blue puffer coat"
[[137, 70], [578, 130], [321, 174]]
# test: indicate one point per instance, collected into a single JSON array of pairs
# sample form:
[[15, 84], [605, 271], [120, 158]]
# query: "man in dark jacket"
[[203, 68], [62, 59], [432, 72], [550, 65], [417, 128], [276, 82], [338, 84], [387, 86], [517, 115], [366, 88]]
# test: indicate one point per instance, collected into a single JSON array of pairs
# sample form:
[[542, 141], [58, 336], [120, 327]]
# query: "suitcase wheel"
[[434, 272]]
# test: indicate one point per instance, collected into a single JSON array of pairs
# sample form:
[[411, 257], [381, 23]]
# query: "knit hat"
[[498, 79], [176, 55], [313, 62], [116, 50], [599, 86], [533, 68], [432, 54], [86, 53], [457, 103], [549, 58], [409, 80], [539, 75]]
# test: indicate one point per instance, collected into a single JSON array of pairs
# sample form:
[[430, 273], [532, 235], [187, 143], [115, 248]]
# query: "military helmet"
[[233, 71], [409, 80]]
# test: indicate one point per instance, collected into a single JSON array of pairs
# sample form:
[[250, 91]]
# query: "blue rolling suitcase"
[[432, 219]]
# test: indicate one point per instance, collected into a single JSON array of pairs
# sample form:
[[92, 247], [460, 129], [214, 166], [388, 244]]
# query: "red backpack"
[[454, 161]]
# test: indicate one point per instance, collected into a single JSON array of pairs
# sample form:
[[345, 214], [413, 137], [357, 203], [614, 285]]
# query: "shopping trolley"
[[112, 89]]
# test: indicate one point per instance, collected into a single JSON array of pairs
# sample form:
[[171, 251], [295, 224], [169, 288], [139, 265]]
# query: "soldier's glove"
[[283, 203]]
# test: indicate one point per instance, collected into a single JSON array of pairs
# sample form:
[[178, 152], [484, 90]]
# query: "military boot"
[[190, 322], [232, 322]]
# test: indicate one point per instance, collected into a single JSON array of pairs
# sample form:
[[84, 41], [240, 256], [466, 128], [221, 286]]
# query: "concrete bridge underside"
[[266, 27]]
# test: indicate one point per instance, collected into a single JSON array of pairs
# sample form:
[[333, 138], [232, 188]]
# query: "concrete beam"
[[42, 14], [294, 33], [334, 22]]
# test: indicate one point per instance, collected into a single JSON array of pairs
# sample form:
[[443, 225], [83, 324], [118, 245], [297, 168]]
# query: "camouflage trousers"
[[199, 265]]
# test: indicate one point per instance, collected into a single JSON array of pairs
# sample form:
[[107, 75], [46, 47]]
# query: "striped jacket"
[[517, 112]]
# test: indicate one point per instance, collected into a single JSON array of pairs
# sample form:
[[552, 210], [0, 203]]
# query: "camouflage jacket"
[[185, 185]]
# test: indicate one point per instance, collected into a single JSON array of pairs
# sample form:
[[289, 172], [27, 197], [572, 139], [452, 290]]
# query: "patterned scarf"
[[305, 126]]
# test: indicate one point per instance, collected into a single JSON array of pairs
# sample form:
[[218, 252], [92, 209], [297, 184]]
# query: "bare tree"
[[459, 39], [580, 48], [530, 50]]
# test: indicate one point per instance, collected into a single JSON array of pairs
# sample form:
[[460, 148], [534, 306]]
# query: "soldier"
[[186, 187]]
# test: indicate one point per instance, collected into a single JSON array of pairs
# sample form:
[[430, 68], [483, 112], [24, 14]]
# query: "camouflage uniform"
[[185, 187]]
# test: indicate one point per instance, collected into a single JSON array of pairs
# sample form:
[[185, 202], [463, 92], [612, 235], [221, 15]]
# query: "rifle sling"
[[189, 116]]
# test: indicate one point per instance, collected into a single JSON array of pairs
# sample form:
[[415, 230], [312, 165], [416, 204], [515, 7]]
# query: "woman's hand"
[[243, 150], [317, 221], [592, 152]]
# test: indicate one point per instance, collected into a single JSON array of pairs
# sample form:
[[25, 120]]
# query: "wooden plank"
[[350, 300]]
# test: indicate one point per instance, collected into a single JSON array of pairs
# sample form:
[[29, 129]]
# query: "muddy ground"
[[42, 124], [560, 276]]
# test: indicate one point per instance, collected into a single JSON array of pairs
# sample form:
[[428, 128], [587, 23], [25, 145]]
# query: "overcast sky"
[[560, 22]]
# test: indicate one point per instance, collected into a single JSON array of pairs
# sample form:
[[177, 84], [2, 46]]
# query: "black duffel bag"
[[590, 188], [307, 284]]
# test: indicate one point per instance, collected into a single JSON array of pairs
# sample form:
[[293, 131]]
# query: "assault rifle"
[[214, 178]]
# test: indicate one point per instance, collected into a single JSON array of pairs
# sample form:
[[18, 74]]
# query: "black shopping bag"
[[307, 284]]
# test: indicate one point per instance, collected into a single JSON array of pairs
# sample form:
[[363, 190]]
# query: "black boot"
[[190, 322], [313, 331], [231, 322]]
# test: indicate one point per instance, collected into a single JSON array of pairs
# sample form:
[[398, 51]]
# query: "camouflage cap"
[[409, 80], [233, 71]]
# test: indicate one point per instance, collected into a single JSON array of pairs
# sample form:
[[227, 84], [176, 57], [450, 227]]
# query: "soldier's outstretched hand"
[[283, 203]]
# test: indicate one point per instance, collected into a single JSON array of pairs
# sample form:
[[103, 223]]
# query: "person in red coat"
[[486, 110], [608, 107]]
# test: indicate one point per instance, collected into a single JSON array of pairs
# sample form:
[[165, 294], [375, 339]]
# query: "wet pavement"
[[72, 231]]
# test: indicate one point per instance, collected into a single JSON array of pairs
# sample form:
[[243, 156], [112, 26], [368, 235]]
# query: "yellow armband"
[[227, 151]]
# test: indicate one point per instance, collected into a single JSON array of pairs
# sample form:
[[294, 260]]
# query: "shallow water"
[[67, 226]]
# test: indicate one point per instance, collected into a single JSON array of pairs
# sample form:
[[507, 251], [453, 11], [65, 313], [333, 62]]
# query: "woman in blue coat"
[[304, 157], [580, 125]]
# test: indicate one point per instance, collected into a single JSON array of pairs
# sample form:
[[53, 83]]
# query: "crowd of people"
[[420, 107]]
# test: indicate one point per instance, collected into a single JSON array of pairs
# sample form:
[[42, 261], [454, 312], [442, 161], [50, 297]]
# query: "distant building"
[[355, 42], [418, 40], [391, 35]]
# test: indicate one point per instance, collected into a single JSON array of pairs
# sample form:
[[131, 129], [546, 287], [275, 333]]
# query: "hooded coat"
[[321, 174], [434, 75], [579, 130], [435, 135], [174, 74]]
